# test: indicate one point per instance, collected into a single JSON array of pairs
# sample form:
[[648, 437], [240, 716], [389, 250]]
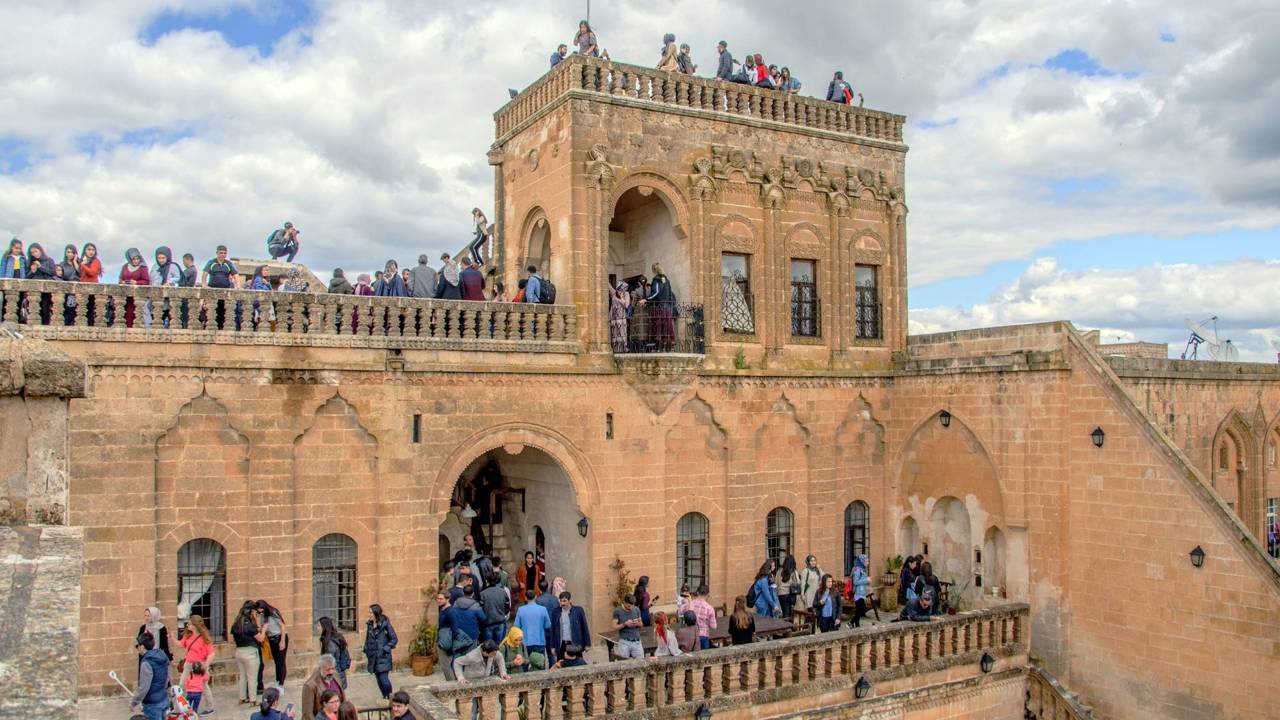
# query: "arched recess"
[[335, 489], [235, 569], [993, 560], [647, 222], [695, 476], [535, 240], [734, 300], [942, 464], [908, 537], [1235, 475]]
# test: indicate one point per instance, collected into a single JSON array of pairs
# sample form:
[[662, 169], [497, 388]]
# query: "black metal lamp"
[[987, 662], [583, 525], [1197, 557], [703, 713], [1099, 437], [945, 418], [861, 689]]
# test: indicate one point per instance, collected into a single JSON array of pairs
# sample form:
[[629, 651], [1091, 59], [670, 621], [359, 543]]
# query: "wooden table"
[[766, 627]]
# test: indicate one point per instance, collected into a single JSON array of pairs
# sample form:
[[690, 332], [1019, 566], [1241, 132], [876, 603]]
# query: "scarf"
[[295, 282], [514, 638], [155, 626], [450, 272]]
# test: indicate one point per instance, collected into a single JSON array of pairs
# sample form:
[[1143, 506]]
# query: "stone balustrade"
[[88, 311], [1047, 699], [580, 74], [738, 677]]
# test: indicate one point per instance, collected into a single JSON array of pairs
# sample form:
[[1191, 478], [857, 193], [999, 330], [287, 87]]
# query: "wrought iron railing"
[[806, 309], [867, 313], [658, 327], [737, 307]]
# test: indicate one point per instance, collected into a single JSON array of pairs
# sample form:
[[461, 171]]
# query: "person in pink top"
[[705, 614], [198, 643]]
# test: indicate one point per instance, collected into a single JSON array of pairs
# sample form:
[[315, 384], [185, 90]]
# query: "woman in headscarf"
[[153, 626], [810, 578], [261, 282], [669, 53], [339, 285], [861, 588], [362, 289], [134, 272], [557, 586], [448, 289], [166, 273], [514, 653], [294, 282], [619, 302], [69, 270]]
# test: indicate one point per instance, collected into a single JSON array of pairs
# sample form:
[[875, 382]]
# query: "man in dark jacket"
[[472, 282], [153, 680], [724, 71], [546, 599], [919, 610], [497, 607], [325, 677], [569, 626]]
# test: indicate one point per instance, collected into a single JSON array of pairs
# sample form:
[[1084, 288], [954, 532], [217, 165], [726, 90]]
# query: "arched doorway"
[[644, 231], [505, 500], [538, 249], [951, 544]]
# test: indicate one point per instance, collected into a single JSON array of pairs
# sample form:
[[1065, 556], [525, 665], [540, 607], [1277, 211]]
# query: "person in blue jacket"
[[767, 604], [569, 626]]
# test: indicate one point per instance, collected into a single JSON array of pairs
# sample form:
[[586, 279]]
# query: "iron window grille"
[[778, 528], [202, 582], [857, 525], [806, 317], [691, 550], [866, 304], [333, 580]]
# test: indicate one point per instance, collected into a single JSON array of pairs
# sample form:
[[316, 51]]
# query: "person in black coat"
[[827, 603], [926, 581], [379, 640]]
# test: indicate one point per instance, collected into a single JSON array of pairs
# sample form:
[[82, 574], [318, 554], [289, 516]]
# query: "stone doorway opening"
[[514, 502]]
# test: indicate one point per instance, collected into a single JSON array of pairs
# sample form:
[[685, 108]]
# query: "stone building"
[[336, 457]]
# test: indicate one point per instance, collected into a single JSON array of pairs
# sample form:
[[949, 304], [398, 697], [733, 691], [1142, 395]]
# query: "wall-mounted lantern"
[[583, 525], [945, 418], [987, 663], [1099, 437], [862, 688], [1197, 557]]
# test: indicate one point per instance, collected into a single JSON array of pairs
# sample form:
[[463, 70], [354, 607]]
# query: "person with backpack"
[[496, 602], [533, 285], [907, 580], [333, 643], [153, 680], [927, 581], [284, 241], [762, 595], [838, 91]]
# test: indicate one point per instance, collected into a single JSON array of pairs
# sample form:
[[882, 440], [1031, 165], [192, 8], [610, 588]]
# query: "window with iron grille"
[[736, 306], [333, 580], [866, 316], [691, 550], [1272, 527], [202, 582], [857, 533], [777, 534], [805, 318]]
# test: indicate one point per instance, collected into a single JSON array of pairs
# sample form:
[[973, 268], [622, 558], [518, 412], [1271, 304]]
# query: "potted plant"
[[892, 569], [422, 648]]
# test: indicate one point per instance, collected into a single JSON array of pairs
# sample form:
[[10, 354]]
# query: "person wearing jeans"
[[277, 638], [247, 636], [626, 620]]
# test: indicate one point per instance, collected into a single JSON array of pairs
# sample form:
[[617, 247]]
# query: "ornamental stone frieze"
[[842, 186]]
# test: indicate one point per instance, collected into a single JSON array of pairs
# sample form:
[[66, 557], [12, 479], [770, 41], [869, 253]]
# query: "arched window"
[[333, 580], [777, 533], [857, 534], [445, 554], [691, 550], [202, 582]]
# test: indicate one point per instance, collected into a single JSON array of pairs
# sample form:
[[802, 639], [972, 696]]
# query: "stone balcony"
[[909, 667], [56, 310], [596, 79]]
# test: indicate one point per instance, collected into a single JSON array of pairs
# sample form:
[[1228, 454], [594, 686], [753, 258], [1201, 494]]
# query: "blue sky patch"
[[931, 124], [259, 26], [93, 143], [1070, 187], [1167, 37], [15, 155], [1109, 253], [1079, 62]]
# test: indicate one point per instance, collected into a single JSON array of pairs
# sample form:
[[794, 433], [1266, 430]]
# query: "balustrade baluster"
[[56, 300], [863, 658], [597, 693]]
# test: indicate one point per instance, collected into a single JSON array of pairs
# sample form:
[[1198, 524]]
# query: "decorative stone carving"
[[771, 190], [600, 173], [704, 185]]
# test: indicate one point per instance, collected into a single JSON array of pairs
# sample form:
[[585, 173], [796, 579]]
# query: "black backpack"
[[751, 595], [546, 292]]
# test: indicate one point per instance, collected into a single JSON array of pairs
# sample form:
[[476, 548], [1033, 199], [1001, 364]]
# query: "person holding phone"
[[267, 707]]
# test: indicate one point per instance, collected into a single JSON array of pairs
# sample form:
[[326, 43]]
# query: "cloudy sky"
[[1116, 164]]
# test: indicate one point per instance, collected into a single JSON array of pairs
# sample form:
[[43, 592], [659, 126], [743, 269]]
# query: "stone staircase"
[[503, 547]]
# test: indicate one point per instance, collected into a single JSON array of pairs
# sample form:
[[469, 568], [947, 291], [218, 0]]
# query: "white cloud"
[[369, 128], [1149, 303]]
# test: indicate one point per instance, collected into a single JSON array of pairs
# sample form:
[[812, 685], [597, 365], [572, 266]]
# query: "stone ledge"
[[32, 367], [1162, 368]]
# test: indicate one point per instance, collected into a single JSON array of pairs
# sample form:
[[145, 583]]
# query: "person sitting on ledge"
[[561, 52]]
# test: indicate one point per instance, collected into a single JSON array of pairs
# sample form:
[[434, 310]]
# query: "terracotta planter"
[[422, 665], [889, 579]]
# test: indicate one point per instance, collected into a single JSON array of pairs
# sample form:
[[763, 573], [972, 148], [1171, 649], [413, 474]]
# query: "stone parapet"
[[86, 311], [807, 672], [1047, 699], [594, 78]]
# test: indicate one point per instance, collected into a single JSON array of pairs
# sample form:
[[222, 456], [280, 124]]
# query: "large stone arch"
[[667, 189], [1240, 483], [950, 485], [531, 251]]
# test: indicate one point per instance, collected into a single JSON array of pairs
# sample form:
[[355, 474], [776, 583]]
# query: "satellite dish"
[[1224, 351], [1202, 332]]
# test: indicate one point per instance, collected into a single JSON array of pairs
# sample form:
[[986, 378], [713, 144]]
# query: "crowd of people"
[[752, 70], [260, 636]]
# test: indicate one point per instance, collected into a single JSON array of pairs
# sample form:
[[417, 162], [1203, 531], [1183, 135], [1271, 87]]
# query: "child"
[[682, 602], [572, 658], [195, 684]]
